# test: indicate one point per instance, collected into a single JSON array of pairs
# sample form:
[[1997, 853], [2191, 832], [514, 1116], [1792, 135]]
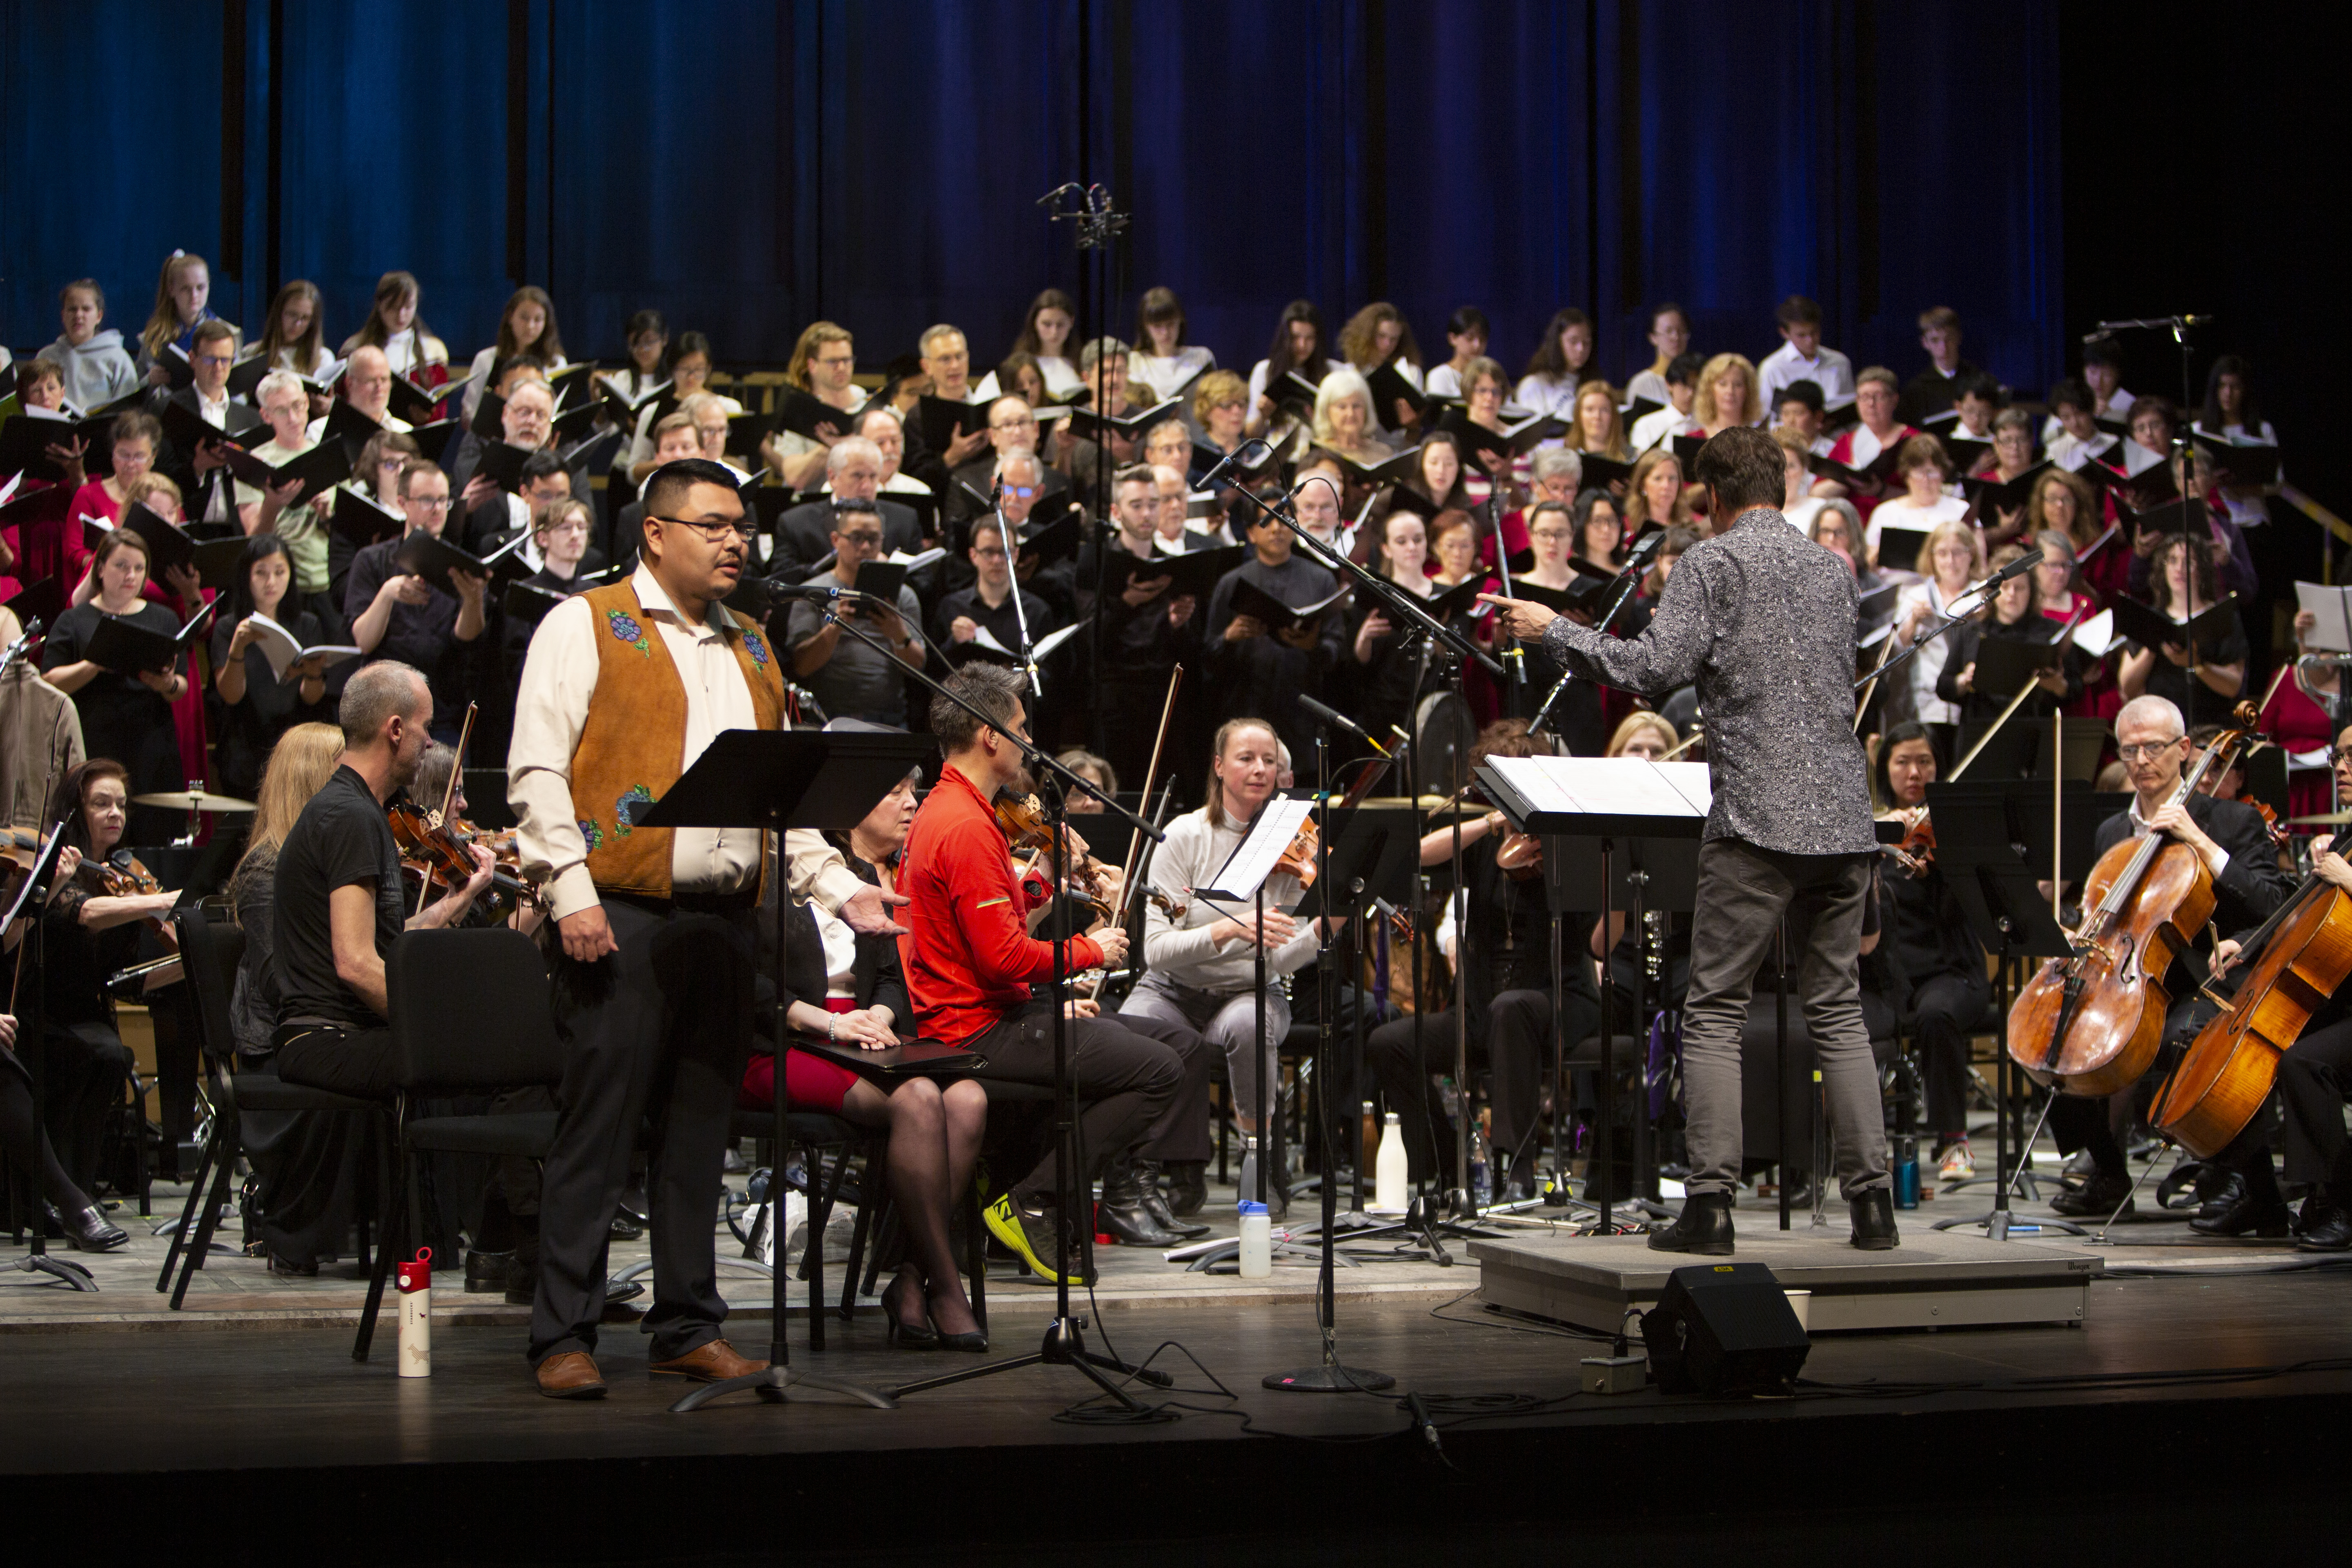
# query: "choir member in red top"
[[969, 963]]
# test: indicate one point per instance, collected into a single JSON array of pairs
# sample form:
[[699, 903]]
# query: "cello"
[[2090, 1024], [2291, 967]]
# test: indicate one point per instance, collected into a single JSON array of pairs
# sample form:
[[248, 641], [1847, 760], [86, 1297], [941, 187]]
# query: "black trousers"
[[1944, 1009], [356, 1062], [658, 1031], [1515, 1047], [1129, 1084], [83, 1075], [2094, 1125], [315, 1171], [2315, 1077], [28, 1145]]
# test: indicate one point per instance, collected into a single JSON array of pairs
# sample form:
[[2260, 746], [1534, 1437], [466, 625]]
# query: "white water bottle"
[[1390, 1182], [1257, 1241], [415, 1281]]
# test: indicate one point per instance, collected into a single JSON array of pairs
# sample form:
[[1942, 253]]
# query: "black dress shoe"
[[2327, 1227], [2248, 1215], [91, 1231], [1147, 1186], [1704, 1228], [626, 1226], [1874, 1221], [2096, 1197], [488, 1273], [2218, 1196], [1188, 1187]]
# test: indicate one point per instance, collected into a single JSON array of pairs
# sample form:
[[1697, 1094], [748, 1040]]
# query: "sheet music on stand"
[[1603, 795], [1251, 861]]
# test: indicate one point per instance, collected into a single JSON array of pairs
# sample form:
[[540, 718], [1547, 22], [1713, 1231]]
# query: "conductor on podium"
[[623, 689], [1763, 620]]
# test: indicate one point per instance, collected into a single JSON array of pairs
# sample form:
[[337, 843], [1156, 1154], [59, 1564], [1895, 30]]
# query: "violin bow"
[[1870, 687], [2065, 630]]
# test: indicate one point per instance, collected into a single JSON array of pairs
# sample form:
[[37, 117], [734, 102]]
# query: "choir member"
[[987, 606], [2182, 586], [1678, 397], [1975, 401], [1394, 668], [1954, 555], [1343, 417], [947, 365], [1018, 375], [203, 473], [1726, 395], [1600, 533], [1147, 629], [1923, 502], [1163, 363], [257, 706], [1220, 408], [1169, 444], [125, 717], [367, 387], [1467, 331], [286, 407], [1799, 504], [1376, 338], [805, 533], [1933, 390], [294, 337], [824, 361], [1485, 389], [2232, 415], [1011, 427], [1837, 526], [398, 616], [1859, 445], [1171, 523], [1801, 357], [1298, 346], [1200, 963], [1454, 548], [86, 934], [1258, 669], [1798, 408], [1561, 363], [2012, 457], [1045, 328], [1597, 426], [90, 359], [1095, 774], [183, 288], [1670, 336], [2015, 616], [1654, 491], [526, 326], [393, 326], [136, 436], [1103, 362], [647, 335], [689, 372], [850, 677], [309, 1167]]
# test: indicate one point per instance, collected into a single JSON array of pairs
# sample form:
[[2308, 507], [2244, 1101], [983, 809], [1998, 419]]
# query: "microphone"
[[1330, 715], [814, 592], [1228, 460], [2017, 568], [1550, 697]]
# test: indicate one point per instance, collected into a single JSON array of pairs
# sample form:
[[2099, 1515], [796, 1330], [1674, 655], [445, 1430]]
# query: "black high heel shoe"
[[908, 1336], [972, 1341]]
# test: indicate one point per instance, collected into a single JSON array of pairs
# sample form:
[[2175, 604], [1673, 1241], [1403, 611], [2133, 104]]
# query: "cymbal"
[[2331, 819], [194, 800]]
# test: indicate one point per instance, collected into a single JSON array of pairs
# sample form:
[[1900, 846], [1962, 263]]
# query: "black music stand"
[[1985, 838], [33, 1051], [774, 780], [1642, 815]]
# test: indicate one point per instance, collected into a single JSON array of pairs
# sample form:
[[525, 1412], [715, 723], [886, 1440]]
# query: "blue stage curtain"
[[751, 167]]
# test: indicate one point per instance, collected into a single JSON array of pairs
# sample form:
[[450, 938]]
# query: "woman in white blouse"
[[1163, 362], [1562, 363], [526, 326]]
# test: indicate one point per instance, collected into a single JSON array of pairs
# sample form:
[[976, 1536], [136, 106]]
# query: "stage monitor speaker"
[[1724, 1327]]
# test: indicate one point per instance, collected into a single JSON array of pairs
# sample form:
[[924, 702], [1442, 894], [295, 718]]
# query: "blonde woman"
[[1343, 417], [1955, 557], [1727, 394]]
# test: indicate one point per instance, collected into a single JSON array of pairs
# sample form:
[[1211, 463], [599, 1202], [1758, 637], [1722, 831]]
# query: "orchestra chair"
[[210, 952], [472, 1013]]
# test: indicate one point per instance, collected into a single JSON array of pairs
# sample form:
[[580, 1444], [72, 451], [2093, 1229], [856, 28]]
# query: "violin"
[[1519, 855], [1298, 860], [2090, 1024], [1916, 851], [440, 852], [1023, 821]]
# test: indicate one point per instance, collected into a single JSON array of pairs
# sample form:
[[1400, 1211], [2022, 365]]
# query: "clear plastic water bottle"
[[1257, 1241], [1245, 1189], [1482, 1181], [1392, 1181]]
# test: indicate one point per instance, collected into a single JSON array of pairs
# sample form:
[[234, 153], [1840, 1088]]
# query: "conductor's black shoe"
[[2325, 1227], [1874, 1221], [2246, 1215], [1188, 1187], [2094, 1198], [1147, 1184], [1704, 1228]]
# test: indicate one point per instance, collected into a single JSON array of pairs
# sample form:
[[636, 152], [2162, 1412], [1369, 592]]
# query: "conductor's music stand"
[[1983, 832], [1624, 805], [773, 780]]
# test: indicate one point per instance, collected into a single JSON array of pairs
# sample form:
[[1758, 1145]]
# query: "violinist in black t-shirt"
[[339, 903]]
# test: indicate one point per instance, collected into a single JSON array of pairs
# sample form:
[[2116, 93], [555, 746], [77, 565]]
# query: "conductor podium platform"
[[1935, 1280]]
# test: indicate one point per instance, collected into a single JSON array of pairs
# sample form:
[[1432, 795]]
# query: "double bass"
[[2090, 1024]]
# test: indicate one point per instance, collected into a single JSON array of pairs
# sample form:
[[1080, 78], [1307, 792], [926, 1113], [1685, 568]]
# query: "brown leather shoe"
[[571, 1375], [713, 1362]]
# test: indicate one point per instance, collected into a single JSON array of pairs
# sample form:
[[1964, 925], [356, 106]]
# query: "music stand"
[[1985, 836], [774, 780], [1619, 803], [2021, 749], [33, 1051]]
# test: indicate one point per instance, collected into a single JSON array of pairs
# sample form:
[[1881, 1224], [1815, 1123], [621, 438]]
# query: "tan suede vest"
[[631, 747]]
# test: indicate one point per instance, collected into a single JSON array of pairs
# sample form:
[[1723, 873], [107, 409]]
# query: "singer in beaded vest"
[[651, 953]]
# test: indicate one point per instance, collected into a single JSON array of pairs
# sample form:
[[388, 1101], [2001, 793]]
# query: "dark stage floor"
[[238, 1445]]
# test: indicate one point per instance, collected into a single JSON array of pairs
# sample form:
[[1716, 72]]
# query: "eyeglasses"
[[861, 537], [988, 553], [428, 503], [1023, 492], [2147, 749], [743, 528], [1025, 422]]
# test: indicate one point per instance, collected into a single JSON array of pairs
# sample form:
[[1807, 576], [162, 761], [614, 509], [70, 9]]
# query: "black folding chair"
[[472, 1013]]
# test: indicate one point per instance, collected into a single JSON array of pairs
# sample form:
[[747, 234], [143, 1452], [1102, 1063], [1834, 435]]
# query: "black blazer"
[[195, 492], [2249, 889], [803, 534]]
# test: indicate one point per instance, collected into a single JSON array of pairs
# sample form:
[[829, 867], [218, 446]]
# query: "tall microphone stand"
[[1065, 1342], [1020, 615]]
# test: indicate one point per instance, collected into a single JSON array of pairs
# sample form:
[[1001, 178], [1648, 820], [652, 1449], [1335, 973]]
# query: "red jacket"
[[968, 954]]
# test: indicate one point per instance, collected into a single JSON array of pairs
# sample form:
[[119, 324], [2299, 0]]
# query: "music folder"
[[1195, 573]]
